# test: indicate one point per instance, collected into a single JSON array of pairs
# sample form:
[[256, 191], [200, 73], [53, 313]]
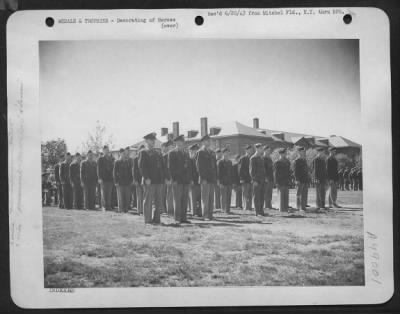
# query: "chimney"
[[175, 129], [164, 131], [192, 133], [256, 123], [203, 126]]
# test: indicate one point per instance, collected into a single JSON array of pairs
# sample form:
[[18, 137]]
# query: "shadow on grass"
[[245, 222], [294, 216]]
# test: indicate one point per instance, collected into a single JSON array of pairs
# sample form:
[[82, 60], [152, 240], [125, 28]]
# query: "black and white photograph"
[[222, 163], [227, 162]]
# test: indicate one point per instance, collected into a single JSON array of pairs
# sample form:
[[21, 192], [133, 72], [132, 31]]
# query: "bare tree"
[[98, 139]]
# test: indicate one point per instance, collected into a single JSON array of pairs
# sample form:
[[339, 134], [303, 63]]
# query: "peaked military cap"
[[226, 149], [127, 148], [179, 138], [319, 149], [205, 138], [300, 148], [89, 151], [68, 154], [194, 147], [249, 146], [141, 147], [258, 145], [77, 154], [150, 136], [121, 150], [332, 148], [218, 150], [282, 150], [105, 147]]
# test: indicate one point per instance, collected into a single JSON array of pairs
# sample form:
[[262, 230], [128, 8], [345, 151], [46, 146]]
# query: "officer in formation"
[[89, 180], [302, 178], [225, 180], [58, 184], [257, 174], [137, 181], [245, 179], [122, 175], [66, 182], [237, 187], [217, 193], [168, 200], [282, 179], [105, 167], [333, 177], [269, 178], [74, 174], [195, 193], [320, 176]]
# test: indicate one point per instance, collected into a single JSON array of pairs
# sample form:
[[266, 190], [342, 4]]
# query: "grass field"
[[106, 249]]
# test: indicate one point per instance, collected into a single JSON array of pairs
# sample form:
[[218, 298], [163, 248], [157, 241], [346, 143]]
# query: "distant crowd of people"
[[175, 180]]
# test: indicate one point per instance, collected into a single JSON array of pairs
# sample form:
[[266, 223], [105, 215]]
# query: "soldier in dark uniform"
[[206, 167], [320, 176], [341, 180], [236, 183], [194, 189], [359, 177], [66, 182], [245, 179], [105, 166], [333, 177], [257, 173], [122, 175], [89, 180], [302, 178], [168, 200], [152, 169], [137, 181], [269, 178], [353, 179], [181, 177], [58, 184], [225, 180], [282, 178], [74, 174], [346, 173], [217, 191]]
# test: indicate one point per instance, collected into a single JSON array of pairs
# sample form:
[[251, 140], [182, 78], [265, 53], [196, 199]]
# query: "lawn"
[[106, 249]]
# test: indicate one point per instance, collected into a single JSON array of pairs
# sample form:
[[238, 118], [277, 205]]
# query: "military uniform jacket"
[[269, 168], [244, 169], [179, 166], [319, 170], [64, 173], [301, 170], [122, 172], [225, 172], [137, 176], [193, 171], [74, 173], [89, 172], [206, 165], [235, 174], [257, 169], [57, 173], [282, 172], [151, 166], [105, 166], [332, 168]]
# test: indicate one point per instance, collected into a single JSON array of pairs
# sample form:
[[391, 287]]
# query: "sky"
[[136, 87]]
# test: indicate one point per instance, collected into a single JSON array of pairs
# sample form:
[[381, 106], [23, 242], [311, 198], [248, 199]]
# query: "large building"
[[236, 136]]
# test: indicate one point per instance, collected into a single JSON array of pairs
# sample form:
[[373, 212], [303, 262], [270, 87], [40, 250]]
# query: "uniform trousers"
[[301, 196], [247, 195], [60, 196], [124, 197], [195, 199], [217, 197], [89, 195], [67, 195], [152, 194], [139, 198], [106, 192], [268, 189], [180, 196], [258, 199], [283, 198], [238, 196], [332, 196], [320, 190], [169, 200], [207, 199], [77, 196], [133, 196], [226, 196]]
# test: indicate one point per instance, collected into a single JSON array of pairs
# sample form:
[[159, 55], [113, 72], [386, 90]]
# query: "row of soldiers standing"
[[164, 180]]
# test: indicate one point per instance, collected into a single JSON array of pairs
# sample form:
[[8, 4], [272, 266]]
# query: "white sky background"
[[136, 87]]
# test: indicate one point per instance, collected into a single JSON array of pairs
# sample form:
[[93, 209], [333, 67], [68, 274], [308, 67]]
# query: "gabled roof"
[[340, 142]]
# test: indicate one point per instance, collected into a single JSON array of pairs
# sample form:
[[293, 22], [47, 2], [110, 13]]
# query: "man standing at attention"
[[206, 167], [269, 177], [282, 179], [257, 173], [195, 187], [122, 175], [236, 183], [58, 184], [168, 201], [179, 169], [74, 174], [320, 176], [137, 181], [152, 169], [105, 166], [333, 177], [302, 179], [245, 179], [66, 182], [89, 180], [217, 194], [225, 179]]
